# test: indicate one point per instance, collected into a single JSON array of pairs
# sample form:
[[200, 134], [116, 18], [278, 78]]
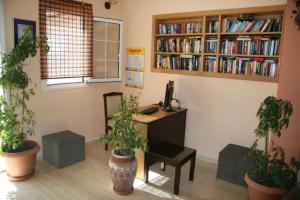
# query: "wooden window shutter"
[[68, 26]]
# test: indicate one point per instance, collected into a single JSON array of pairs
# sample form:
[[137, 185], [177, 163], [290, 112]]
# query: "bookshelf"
[[240, 44]]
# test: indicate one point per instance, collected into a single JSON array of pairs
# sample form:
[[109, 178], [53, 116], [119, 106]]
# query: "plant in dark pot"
[[124, 139], [271, 177], [16, 119]]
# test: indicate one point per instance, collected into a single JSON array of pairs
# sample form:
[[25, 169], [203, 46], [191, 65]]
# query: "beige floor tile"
[[90, 180]]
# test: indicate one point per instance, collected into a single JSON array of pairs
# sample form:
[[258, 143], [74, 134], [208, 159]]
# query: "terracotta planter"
[[123, 171], [261, 192], [20, 166]]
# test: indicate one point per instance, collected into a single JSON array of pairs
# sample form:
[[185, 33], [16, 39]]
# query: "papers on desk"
[[135, 67], [145, 118]]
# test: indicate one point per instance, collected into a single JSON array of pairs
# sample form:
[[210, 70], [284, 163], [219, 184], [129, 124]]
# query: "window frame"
[[87, 80], [105, 80]]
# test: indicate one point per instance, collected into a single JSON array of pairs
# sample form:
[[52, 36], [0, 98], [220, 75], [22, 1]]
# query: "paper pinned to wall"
[[135, 79], [135, 67], [129, 78], [135, 59], [138, 78]]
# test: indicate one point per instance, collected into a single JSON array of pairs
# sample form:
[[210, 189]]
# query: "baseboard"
[[95, 140], [92, 140], [207, 159], [198, 156], [39, 157]]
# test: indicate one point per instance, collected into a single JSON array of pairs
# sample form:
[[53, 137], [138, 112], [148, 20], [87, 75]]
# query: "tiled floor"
[[91, 180]]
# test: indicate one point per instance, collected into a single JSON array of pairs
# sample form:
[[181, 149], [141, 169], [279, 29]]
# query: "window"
[[68, 26], [107, 53]]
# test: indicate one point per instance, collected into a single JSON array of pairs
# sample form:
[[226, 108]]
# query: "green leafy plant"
[[124, 136], [270, 166], [16, 119]]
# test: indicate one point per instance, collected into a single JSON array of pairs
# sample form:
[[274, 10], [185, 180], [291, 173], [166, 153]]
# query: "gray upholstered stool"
[[63, 148], [232, 166]]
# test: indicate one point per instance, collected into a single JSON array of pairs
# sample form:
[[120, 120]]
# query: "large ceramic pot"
[[261, 192], [123, 171], [20, 165]]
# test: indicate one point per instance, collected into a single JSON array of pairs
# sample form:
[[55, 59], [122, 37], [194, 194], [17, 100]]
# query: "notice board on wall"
[[135, 67]]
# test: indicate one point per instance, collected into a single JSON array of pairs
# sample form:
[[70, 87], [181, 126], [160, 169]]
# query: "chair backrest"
[[112, 102]]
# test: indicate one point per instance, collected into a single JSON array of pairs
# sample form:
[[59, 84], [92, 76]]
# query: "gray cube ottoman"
[[63, 148], [232, 166]]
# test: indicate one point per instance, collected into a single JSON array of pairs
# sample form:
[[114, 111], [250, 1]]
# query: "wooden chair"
[[112, 102], [173, 155]]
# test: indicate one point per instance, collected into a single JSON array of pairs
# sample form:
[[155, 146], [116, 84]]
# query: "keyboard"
[[150, 110]]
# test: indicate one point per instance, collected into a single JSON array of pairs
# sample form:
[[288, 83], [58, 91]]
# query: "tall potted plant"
[[16, 119], [124, 139], [271, 177]]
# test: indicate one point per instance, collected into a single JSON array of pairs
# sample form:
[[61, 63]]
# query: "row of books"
[[182, 62], [272, 24], [211, 45], [250, 46], [212, 26], [178, 28], [254, 66], [179, 45], [210, 64], [244, 66]]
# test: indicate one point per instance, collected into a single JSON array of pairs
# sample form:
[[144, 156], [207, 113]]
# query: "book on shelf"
[[180, 28], [247, 45], [179, 45], [212, 26], [272, 24], [210, 64], [182, 62], [248, 66], [211, 45]]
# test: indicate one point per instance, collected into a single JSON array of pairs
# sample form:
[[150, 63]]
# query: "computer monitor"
[[169, 96]]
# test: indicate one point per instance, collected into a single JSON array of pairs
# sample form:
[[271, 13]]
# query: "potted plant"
[[271, 177], [124, 139], [16, 119]]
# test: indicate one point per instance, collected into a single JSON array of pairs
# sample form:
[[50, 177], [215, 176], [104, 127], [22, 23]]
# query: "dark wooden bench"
[[174, 155]]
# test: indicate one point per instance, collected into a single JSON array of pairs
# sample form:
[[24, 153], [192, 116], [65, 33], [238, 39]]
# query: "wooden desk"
[[160, 127]]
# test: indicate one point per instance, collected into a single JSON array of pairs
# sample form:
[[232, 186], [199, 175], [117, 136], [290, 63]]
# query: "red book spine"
[[183, 28]]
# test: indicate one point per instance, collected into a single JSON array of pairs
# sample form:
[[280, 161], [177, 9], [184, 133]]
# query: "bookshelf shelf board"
[[249, 56], [210, 54], [176, 71], [239, 76], [176, 53], [211, 33], [179, 35], [216, 74], [252, 33], [264, 78]]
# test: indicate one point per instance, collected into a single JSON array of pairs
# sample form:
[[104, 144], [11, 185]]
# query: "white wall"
[[79, 109], [220, 111]]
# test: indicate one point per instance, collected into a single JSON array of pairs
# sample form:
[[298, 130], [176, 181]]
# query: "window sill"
[[63, 86]]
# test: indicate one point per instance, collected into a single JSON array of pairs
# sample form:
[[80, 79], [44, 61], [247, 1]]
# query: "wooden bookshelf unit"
[[234, 43]]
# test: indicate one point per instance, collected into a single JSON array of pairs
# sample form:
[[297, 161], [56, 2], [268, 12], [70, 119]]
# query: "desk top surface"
[[157, 115]]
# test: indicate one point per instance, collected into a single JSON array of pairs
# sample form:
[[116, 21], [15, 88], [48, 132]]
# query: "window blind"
[[68, 26]]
